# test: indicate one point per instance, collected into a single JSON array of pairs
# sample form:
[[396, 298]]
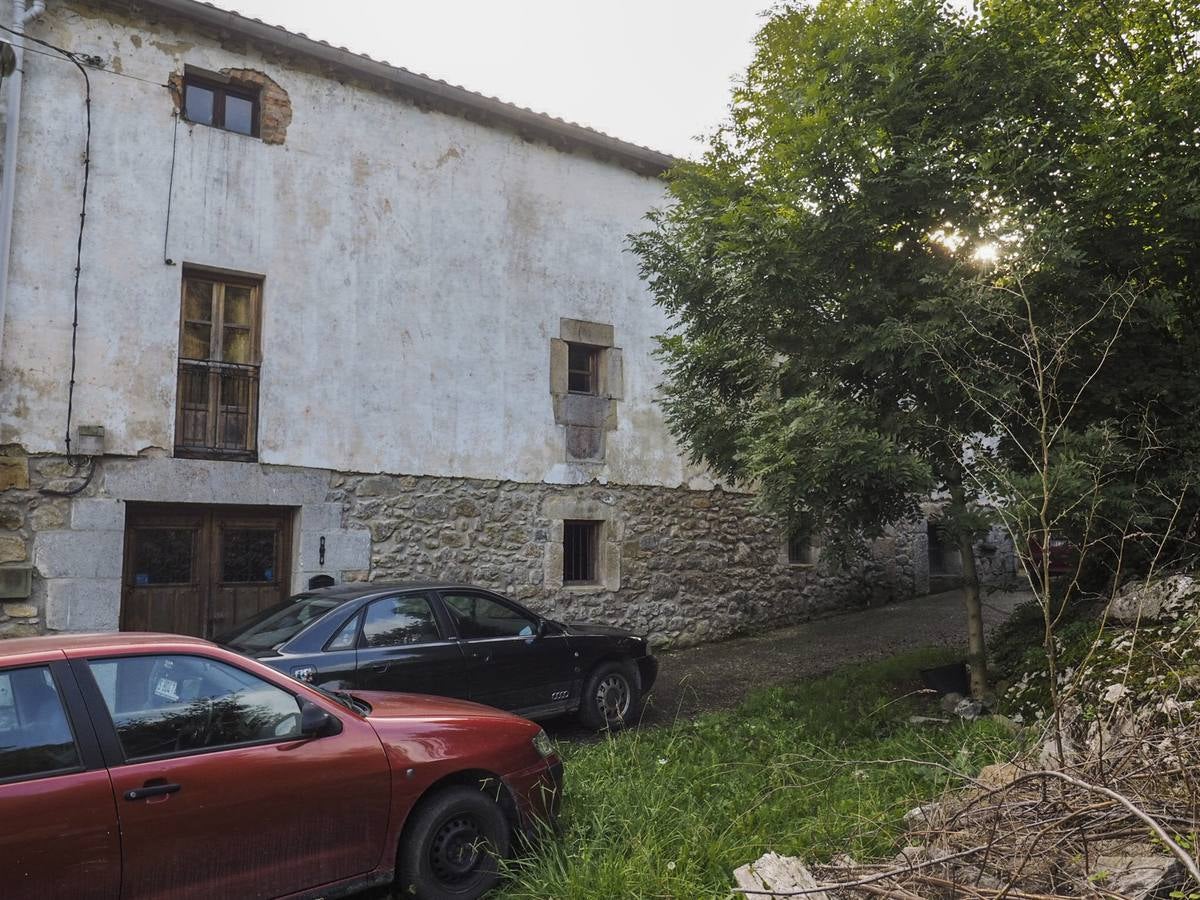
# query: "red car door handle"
[[151, 790]]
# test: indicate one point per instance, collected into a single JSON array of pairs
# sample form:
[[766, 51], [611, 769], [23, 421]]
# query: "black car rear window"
[[282, 624]]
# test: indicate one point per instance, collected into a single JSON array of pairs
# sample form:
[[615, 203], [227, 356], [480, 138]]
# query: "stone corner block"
[[83, 604], [78, 554], [344, 549], [14, 473], [98, 514], [13, 549], [321, 517]]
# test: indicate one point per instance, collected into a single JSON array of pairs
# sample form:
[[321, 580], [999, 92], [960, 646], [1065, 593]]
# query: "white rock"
[[1137, 877], [1170, 598], [912, 855], [926, 720], [1114, 692], [968, 709], [920, 815], [772, 872]]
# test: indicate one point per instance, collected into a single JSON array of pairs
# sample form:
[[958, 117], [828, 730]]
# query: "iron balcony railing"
[[217, 410]]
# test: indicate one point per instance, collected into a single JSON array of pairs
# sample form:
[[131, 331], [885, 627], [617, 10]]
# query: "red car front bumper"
[[538, 794]]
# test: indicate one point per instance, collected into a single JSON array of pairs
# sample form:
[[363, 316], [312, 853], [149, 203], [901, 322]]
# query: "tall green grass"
[[809, 769]]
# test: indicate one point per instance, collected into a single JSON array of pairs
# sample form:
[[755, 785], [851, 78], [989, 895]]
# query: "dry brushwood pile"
[[1109, 808], [1116, 821], [1119, 820]]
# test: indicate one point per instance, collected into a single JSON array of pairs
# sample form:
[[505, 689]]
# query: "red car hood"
[[387, 705]]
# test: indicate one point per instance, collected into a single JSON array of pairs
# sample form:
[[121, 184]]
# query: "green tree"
[[886, 165]]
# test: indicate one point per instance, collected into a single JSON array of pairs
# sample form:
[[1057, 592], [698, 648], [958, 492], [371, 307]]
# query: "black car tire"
[[612, 696], [452, 846]]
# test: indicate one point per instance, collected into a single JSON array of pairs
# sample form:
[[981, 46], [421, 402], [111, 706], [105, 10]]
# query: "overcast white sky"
[[654, 72]]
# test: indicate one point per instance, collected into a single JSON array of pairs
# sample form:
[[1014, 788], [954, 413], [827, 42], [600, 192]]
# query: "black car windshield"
[[279, 625]]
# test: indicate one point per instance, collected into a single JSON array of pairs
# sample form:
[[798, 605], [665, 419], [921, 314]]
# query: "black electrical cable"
[[77, 489], [87, 166], [92, 62], [170, 192]]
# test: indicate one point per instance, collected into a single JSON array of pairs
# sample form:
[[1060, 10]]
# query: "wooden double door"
[[201, 570]]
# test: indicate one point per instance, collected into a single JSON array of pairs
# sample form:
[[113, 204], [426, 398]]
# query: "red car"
[[149, 765]]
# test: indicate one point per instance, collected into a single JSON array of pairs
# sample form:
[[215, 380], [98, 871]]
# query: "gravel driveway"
[[718, 676]]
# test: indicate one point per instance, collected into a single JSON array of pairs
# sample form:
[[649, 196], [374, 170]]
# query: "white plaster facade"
[[418, 266], [415, 267], [426, 257]]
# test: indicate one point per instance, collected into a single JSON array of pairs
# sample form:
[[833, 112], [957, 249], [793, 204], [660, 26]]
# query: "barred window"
[[581, 548], [217, 408], [799, 550]]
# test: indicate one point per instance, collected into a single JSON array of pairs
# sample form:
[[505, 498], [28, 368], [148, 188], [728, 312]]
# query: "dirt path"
[[718, 676]]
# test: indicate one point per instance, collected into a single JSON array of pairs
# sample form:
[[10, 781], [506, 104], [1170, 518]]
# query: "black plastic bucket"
[[951, 679]]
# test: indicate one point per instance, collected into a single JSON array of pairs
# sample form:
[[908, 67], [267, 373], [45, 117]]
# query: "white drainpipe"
[[22, 12]]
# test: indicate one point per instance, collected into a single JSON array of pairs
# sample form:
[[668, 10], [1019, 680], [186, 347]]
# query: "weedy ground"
[[814, 769]]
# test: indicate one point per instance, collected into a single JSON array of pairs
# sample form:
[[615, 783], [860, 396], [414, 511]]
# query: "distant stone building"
[[338, 321]]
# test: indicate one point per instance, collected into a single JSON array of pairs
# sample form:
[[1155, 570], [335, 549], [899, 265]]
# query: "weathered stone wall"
[[683, 566], [693, 566], [24, 511], [995, 560]]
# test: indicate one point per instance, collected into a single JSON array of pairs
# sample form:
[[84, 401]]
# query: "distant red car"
[[1063, 556], [146, 766]]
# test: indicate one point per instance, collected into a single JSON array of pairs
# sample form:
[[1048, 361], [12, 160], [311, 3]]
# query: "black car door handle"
[[151, 790], [378, 668]]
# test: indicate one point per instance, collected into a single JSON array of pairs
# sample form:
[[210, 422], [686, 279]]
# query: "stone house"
[[335, 321]]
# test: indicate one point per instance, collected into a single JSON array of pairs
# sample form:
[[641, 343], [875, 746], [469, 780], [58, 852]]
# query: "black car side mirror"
[[316, 722]]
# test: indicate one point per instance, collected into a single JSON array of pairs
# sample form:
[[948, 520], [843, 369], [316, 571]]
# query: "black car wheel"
[[452, 846], [611, 696]]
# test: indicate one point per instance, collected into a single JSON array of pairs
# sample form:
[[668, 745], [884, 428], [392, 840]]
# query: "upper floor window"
[[217, 408], [586, 384], [222, 105], [583, 369]]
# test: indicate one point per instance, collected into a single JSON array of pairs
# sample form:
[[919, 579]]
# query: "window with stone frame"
[[581, 551], [217, 395], [586, 383], [221, 103]]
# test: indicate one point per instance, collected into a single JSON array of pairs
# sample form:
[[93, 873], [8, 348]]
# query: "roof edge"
[[425, 90]]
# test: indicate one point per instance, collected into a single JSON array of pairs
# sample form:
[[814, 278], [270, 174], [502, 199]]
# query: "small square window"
[[581, 548], [226, 106], [799, 550], [583, 369]]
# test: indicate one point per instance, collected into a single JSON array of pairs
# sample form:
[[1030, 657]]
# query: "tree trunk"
[[976, 649]]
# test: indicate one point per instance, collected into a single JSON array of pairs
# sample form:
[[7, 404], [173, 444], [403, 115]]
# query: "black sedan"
[[456, 641]]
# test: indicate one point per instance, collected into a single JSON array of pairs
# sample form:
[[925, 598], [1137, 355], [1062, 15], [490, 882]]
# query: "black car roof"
[[353, 590]]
